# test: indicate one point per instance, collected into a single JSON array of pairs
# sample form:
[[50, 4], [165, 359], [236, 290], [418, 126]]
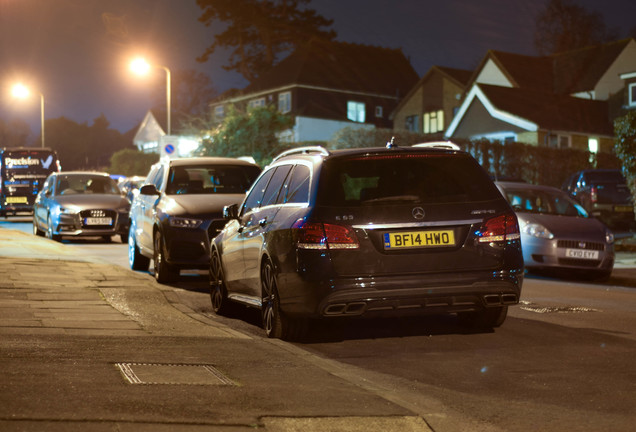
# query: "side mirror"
[[149, 189], [230, 211]]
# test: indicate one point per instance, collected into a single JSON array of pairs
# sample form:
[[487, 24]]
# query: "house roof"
[[524, 71], [550, 111], [580, 70], [460, 77], [342, 66], [562, 73]]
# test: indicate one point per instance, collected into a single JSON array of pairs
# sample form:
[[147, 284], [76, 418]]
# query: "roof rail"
[[445, 145], [304, 150]]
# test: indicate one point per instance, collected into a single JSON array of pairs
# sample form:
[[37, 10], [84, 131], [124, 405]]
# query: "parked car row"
[[324, 234]]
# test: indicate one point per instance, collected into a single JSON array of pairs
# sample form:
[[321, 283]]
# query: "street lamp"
[[141, 67], [21, 91]]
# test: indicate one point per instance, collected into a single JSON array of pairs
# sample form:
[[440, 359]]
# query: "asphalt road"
[[563, 360]]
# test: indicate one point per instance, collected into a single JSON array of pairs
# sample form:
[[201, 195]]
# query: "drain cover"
[[182, 374]]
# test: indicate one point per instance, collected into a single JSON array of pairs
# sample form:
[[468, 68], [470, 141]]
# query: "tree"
[[564, 26], [80, 146], [191, 92], [260, 30], [14, 133], [252, 133], [625, 147], [132, 162]]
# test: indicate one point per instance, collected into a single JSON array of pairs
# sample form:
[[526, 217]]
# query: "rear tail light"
[[499, 229], [322, 236], [593, 194]]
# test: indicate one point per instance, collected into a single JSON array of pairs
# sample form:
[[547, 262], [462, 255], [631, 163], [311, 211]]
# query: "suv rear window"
[[605, 176], [421, 178]]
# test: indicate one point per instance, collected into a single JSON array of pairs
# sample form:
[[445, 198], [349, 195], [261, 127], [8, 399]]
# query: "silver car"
[[82, 204], [557, 233]]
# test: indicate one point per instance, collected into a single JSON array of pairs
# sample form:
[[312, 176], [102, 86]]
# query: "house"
[[327, 86], [432, 103], [563, 100], [151, 138]]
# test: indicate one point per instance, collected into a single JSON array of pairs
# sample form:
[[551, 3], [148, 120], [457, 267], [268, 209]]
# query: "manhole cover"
[[183, 374], [531, 307]]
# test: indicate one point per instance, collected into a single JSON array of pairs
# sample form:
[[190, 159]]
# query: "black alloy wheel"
[[164, 272], [275, 323], [221, 305]]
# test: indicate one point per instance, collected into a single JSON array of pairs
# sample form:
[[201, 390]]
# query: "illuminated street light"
[[21, 91], [141, 67]]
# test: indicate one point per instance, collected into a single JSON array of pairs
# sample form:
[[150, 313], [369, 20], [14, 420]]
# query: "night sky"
[[76, 52]]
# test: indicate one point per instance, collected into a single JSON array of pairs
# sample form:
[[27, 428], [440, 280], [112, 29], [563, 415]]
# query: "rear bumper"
[[405, 295]]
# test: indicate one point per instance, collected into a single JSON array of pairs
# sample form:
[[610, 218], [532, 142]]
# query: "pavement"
[[86, 345]]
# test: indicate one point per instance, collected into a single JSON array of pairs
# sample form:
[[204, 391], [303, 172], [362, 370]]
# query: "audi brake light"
[[499, 229], [322, 236]]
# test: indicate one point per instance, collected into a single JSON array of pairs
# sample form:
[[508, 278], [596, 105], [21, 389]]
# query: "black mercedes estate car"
[[367, 232]]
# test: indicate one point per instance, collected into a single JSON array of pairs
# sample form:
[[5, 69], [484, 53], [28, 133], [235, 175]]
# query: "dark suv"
[[373, 231], [180, 208], [604, 194]]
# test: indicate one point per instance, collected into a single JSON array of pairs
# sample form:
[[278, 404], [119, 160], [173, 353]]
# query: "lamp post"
[[22, 92], [141, 67]]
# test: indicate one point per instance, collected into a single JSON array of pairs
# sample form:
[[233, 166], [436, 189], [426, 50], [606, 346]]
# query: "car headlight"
[[66, 210], [609, 237], [184, 222], [538, 230]]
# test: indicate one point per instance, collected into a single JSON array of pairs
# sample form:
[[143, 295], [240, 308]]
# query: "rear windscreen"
[[418, 178], [605, 176]]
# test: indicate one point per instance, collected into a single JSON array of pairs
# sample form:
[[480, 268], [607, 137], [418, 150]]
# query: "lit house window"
[[433, 122], [284, 102], [632, 94], [355, 111], [254, 103], [378, 111], [219, 112]]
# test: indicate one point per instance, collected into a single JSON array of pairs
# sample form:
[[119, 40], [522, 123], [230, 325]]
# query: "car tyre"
[[136, 260], [221, 304], [164, 272], [36, 229], [49, 230], [491, 317], [275, 323]]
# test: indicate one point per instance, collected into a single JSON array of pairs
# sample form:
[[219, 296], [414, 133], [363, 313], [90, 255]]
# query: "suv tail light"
[[315, 235], [499, 229], [593, 194]]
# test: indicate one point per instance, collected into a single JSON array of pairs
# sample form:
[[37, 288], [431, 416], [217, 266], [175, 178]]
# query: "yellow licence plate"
[[419, 239], [14, 200], [623, 208]]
